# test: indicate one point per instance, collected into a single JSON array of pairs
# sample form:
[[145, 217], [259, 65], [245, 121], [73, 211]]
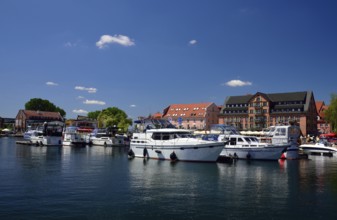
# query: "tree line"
[[109, 117]]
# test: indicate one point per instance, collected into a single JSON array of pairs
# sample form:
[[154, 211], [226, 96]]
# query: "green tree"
[[94, 115], [112, 117], [38, 104], [331, 113]]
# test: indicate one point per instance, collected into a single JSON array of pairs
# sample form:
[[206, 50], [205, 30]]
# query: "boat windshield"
[[149, 123], [170, 135], [224, 129], [183, 135]]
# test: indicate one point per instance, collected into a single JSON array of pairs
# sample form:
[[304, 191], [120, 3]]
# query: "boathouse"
[[26, 118]]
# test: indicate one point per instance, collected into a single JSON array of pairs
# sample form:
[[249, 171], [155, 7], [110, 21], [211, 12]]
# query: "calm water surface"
[[102, 183]]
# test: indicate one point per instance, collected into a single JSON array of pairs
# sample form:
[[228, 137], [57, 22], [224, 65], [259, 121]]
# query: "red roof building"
[[26, 118], [192, 116], [323, 127]]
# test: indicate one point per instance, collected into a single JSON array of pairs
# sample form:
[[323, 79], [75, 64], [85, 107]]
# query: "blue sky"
[[143, 55]]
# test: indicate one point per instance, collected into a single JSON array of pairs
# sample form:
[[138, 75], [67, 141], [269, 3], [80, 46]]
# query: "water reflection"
[[102, 183]]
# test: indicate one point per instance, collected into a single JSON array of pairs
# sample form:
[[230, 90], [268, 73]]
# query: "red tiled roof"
[[157, 115], [31, 113], [319, 105], [187, 110]]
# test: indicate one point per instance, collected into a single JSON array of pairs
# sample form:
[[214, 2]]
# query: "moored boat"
[[322, 148], [71, 137], [106, 137], [52, 133], [158, 139], [249, 147]]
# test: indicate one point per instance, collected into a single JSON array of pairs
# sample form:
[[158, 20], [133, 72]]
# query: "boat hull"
[[254, 153], [101, 142], [194, 153], [52, 141], [317, 149]]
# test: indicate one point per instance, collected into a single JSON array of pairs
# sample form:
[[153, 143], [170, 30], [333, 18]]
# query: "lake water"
[[102, 183]]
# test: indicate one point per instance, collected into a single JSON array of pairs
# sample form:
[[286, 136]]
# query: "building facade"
[[261, 110], [192, 116], [323, 126], [26, 118]]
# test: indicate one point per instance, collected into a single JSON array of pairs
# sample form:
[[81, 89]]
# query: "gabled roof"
[[188, 110], [273, 97], [319, 106], [238, 99], [41, 114], [288, 97], [260, 94]]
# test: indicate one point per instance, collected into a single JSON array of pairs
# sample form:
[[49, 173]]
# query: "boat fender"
[[105, 144], [131, 153], [145, 153], [235, 156], [248, 156], [173, 156]]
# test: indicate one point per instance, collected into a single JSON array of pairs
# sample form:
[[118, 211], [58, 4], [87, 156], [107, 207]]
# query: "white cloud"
[[51, 84], [236, 83], [80, 111], [116, 39], [89, 90], [80, 97], [192, 42], [132, 106], [93, 102]]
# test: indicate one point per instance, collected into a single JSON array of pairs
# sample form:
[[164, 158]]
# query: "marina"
[[96, 182]]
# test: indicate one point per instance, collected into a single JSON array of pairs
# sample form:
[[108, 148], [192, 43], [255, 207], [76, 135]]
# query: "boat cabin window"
[[232, 141], [169, 136], [248, 139], [280, 132], [183, 135], [240, 140], [156, 136], [253, 139]]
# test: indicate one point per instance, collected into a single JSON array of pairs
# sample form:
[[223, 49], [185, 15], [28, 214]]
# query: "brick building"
[[26, 118], [192, 116], [261, 110], [323, 127]]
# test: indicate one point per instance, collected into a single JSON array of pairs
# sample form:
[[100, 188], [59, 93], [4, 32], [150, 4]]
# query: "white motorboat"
[[321, 148], [105, 137], [36, 137], [52, 133], [249, 147], [28, 134], [32, 131], [158, 139], [71, 137]]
